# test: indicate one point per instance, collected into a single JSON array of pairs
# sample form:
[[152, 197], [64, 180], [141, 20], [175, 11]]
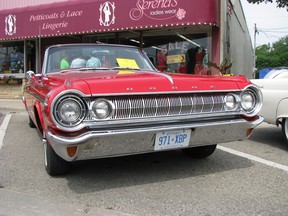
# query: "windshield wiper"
[[124, 68], [93, 68]]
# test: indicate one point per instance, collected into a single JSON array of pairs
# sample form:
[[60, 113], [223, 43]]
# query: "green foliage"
[[272, 56], [280, 3]]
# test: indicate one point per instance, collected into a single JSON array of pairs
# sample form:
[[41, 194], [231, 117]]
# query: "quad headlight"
[[251, 100], [230, 102], [101, 109], [69, 111], [248, 101]]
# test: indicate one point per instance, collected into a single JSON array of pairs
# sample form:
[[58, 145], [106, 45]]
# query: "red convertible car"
[[98, 100]]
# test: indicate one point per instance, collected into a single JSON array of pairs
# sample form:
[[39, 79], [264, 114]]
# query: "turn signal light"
[[72, 151], [248, 132]]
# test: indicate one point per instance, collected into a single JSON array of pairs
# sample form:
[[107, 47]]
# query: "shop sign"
[[10, 24], [107, 13], [82, 17], [54, 21], [157, 10], [171, 59]]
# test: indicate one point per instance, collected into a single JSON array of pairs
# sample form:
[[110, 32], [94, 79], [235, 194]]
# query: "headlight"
[[251, 100], [69, 111], [248, 101], [101, 109], [230, 102]]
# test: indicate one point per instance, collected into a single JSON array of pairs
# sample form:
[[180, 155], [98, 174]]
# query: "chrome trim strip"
[[36, 96], [213, 103], [163, 93], [162, 74], [130, 108]]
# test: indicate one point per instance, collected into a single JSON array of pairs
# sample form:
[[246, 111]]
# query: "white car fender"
[[282, 111]]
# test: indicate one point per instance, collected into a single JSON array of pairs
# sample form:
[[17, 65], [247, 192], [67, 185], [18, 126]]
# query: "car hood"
[[122, 81]]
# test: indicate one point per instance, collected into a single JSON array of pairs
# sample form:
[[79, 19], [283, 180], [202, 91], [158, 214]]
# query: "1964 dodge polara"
[[117, 104]]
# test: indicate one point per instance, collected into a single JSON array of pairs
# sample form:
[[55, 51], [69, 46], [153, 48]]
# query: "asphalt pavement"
[[13, 203], [11, 105]]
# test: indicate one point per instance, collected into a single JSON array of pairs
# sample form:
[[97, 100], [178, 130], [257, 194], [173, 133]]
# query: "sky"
[[271, 21]]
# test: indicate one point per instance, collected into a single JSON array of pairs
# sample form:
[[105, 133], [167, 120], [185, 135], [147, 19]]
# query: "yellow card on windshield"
[[127, 63], [125, 72]]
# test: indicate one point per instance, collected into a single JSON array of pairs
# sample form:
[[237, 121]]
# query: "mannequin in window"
[[64, 62], [78, 62], [199, 67], [161, 59], [94, 61]]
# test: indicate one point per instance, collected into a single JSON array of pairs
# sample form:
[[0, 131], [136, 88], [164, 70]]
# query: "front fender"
[[39, 116]]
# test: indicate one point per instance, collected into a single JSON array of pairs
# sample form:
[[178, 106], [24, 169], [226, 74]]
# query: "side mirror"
[[30, 74]]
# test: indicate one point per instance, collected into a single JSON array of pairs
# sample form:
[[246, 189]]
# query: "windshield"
[[95, 57]]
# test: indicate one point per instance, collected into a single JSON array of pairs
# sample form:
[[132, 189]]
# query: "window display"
[[179, 53], [11, 58]]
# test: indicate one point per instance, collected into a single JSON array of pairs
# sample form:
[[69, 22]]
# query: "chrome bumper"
[[99, 144]]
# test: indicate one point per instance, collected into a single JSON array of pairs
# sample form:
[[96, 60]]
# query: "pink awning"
[[90, 16]]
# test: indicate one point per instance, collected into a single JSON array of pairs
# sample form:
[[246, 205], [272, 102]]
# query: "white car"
[[275, 102], [277, 73]]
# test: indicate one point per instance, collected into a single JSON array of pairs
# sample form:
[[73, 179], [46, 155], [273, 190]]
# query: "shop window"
[[179, 53], [31, 55], [12, 58]]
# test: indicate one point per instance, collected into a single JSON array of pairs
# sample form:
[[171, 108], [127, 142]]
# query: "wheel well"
[[281, 111]]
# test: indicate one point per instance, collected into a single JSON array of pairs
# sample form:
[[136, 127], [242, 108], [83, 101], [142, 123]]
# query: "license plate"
[[172, 139]]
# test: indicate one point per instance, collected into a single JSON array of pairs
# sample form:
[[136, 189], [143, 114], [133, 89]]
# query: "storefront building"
[[178, 35]]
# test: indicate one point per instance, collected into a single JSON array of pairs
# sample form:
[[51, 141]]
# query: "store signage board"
[[171, 59], [78, 17]]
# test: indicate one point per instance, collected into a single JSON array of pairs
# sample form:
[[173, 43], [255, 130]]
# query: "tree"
[[280, 3], [272, 56]]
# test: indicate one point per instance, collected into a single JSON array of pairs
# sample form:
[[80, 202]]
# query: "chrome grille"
[[166, 105]]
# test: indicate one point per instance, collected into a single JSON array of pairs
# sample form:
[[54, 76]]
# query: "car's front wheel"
[[54, 164], [200, 152], [285, 128]]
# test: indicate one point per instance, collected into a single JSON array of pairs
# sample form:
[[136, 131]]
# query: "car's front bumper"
[[111, 143]]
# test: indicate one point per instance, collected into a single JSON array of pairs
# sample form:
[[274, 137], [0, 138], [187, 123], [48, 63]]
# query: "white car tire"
[[285, 128]]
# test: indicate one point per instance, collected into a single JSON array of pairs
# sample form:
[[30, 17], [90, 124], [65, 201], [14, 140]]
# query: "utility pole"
[[254, 54]]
